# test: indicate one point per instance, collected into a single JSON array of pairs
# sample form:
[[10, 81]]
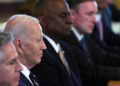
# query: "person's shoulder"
[[64, 45]]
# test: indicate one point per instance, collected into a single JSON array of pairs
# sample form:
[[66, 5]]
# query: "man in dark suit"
[[10, 66], [96, 65], [29, 45], [108, 14], [101, 31], [58, 66], [114, 10]]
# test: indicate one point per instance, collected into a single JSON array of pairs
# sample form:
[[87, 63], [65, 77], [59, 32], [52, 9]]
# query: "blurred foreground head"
[[9, 63]]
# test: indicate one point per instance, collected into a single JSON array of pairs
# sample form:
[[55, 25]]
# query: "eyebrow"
[[13, 60]]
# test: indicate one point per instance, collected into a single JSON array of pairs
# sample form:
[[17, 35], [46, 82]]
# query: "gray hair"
[[4, 39], [17, 25]]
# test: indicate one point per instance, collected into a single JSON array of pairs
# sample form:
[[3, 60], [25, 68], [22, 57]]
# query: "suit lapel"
[[73, 38], [55, 57], [75, 41], [69, 57], [71, 60], [24, 81], [89, 44]]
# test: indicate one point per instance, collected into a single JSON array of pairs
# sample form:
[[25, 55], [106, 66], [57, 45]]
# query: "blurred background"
[[11, 7]]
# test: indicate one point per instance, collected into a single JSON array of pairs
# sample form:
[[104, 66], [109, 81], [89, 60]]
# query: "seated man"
[[96, 65], [58, 69], [108, 13], [29, 45], [9, 64]]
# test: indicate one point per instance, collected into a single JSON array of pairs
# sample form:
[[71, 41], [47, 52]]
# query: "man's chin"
[[38, 61]]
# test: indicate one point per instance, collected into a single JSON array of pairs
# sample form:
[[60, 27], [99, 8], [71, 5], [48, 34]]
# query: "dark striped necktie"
[[33, 79]]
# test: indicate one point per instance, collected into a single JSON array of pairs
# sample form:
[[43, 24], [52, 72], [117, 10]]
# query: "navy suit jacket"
[[95, 71], [103, 45], [51, 71], [109, 37], [24, 81]]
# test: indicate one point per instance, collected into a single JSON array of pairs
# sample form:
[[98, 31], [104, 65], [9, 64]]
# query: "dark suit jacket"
[[104, 46], [51, 71], [109, 37], [24, 81], [94, 70], [101, 56]]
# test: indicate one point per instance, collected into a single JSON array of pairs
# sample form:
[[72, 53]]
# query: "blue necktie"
[[84, 48]]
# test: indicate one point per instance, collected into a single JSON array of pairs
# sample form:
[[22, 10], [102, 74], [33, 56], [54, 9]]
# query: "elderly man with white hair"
[[29, 45]]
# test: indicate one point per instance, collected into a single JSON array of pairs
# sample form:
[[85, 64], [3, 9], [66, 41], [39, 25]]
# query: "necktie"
[[84, 48], [33, 79], [100, 29], [62, 57]]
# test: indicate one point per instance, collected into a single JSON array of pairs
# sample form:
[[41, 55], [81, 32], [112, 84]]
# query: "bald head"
[[28, 39], [43, 5], [20, 25]]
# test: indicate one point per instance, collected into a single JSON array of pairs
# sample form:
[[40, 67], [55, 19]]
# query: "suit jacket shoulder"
[[92, 73], [51, 71], [24, 81]]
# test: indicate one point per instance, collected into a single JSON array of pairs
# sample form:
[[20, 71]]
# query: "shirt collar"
[[52, 42], [98, 17], [26, 72], [77, 34]]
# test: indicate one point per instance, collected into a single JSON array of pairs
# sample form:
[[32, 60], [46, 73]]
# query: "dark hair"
[[5, 38], [74, 3]]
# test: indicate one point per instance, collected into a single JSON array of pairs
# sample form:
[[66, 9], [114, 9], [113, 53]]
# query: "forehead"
[[34, 31], [34, 28], [9, 51], [57, 6]]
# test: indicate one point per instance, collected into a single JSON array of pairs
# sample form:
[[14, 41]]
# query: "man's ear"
[[72, 14], [43, 21], [18, 45]]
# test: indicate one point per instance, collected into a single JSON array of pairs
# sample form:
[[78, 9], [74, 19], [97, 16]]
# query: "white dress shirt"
[[77, 34], [52, 42], [26, 73]]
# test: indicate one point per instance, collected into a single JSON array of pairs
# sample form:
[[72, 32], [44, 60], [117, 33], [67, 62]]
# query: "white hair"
[[17, 24]]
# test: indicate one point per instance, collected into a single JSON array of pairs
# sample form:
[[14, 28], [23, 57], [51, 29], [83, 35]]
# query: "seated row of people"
[[64, 54]]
